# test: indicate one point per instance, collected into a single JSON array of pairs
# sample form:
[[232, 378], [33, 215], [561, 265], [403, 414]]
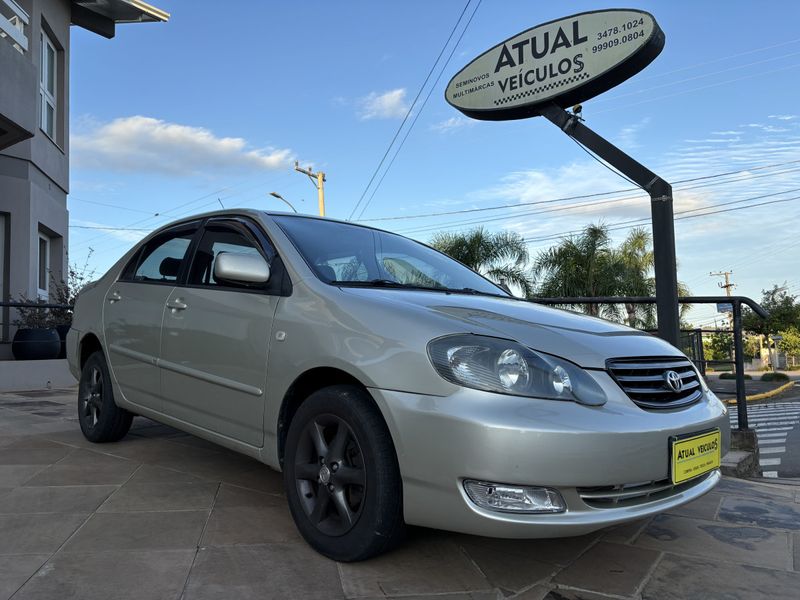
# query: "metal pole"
[[660, 208], [665, 262], [738, 360]]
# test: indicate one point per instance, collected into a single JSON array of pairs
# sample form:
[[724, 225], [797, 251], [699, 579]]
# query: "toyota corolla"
[[390, 384]]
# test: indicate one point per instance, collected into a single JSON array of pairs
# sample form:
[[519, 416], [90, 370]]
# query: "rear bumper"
[[441, 441]]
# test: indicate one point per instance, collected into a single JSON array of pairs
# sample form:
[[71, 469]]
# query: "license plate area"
[[694, 455]]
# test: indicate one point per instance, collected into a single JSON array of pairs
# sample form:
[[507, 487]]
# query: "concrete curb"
[[765, 395]]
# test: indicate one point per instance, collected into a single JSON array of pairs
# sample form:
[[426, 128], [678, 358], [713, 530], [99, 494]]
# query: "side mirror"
[[244, 269]]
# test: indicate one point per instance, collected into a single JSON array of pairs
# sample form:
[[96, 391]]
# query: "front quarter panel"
[[321, 326]]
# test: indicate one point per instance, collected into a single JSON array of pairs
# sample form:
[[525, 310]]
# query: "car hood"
[[586, 341]]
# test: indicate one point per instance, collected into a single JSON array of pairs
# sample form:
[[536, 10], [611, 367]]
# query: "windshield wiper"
[[474, 292], [387, 283]]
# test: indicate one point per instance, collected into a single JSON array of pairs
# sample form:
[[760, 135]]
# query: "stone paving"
[[162, 515]]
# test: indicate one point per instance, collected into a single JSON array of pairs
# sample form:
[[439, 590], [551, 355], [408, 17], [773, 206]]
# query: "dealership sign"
[[566, 61]]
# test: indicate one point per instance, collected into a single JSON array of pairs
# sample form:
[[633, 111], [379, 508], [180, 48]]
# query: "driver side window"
[[218, 238]]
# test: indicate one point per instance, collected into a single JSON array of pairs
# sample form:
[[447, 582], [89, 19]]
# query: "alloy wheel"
[[92, 399], [330, 475]]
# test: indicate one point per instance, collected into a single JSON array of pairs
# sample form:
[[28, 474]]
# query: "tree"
[[783, 309], [790, 344], [635, 256], [500, 256], [718, 346], [588, 265]]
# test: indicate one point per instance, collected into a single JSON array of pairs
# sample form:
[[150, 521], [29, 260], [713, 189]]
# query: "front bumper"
[[441, 441]]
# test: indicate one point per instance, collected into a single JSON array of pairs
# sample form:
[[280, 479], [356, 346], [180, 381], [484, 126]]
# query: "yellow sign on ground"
[[695, 455]]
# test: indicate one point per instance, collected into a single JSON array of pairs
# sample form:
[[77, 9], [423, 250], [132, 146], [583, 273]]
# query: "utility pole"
[[727, 286], [318, 180]]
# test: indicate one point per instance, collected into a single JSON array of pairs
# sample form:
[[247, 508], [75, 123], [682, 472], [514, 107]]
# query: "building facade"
[[34, 136]]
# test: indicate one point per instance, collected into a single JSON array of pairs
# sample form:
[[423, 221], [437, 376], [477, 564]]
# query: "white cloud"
[[628, 136], [386, 105], [452, 124], [784, 117], [145, 144], [727, 132]]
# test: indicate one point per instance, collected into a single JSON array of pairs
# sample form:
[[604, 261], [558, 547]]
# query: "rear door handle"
[[177, 305], [114, 296]]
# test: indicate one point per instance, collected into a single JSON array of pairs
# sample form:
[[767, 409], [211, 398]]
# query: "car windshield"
[[355, 256]]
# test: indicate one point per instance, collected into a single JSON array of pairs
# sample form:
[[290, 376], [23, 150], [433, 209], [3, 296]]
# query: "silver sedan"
[[390, 384]]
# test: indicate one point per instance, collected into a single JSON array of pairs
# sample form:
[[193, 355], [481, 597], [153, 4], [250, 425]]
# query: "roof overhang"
[[101, 16]]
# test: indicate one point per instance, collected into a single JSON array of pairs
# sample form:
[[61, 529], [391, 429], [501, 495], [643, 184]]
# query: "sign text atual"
[[565, 61]]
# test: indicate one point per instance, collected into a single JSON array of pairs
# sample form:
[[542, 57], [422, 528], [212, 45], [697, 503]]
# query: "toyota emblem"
[[673, 381]]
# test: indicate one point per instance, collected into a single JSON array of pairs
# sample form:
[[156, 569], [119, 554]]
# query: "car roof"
[[252, 212]]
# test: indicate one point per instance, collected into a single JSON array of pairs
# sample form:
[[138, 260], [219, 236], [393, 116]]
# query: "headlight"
[[506, 367]]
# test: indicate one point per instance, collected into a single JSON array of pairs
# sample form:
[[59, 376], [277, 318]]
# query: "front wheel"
[[100, 418], [341, 475]]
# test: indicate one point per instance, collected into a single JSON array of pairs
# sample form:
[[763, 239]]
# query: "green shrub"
[[733, 376], [774, 376]]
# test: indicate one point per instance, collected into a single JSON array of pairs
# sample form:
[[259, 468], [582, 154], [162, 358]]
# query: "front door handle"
[[114, 296], [177, 304]]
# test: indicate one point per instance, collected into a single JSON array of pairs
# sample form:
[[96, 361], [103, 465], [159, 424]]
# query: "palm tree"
[[635, 257], [588, 265], [500, 256], [636, 263], [581, 265]]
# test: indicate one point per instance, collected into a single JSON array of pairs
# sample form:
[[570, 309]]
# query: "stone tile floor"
[[165, 515]]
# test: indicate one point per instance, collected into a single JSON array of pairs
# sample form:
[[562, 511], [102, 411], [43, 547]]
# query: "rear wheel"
[[100, 418], [341, 475]]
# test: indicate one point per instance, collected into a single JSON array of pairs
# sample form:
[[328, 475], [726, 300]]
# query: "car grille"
[[646, 381], [632, 494]]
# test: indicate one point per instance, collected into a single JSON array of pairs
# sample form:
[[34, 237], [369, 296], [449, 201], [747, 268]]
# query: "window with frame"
[[160, 261], [218, 238], [48, 80], [43, 272]]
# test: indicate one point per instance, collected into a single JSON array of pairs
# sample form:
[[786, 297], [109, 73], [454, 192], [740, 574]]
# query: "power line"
[[636, 222], [604, 163], [109, 228], [169, 213], [697, 89], [717, 60], [114, 206], [576, 206], [703, 76], [577, 197], [419, 112], [410, 108]]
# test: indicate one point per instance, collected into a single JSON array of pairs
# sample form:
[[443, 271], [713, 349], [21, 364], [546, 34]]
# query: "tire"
[[348, 505], [100, 418]]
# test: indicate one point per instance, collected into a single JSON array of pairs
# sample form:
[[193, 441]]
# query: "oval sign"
[[566, 61]]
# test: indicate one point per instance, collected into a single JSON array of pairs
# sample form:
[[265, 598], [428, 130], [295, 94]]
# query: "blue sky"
[[220, 101]]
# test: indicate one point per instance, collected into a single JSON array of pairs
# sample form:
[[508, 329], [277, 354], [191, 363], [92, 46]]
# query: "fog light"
[[514, 498]]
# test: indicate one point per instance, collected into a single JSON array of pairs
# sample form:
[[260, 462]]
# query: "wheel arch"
[[89, 344], [306, 384]]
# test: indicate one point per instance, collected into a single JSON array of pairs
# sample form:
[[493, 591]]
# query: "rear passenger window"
[[161, 260]]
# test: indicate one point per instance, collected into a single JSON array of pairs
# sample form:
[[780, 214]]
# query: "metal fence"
[[8, 319]]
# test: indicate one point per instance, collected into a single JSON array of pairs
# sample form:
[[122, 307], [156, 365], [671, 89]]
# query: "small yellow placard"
[[695, 455]]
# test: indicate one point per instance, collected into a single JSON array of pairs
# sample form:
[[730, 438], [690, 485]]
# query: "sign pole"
[[563, 63], [661, 213]]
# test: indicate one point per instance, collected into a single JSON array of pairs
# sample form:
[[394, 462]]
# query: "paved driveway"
[[165, 515]]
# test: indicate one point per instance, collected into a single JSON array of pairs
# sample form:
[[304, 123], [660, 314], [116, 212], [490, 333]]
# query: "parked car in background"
[[391, 384]]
